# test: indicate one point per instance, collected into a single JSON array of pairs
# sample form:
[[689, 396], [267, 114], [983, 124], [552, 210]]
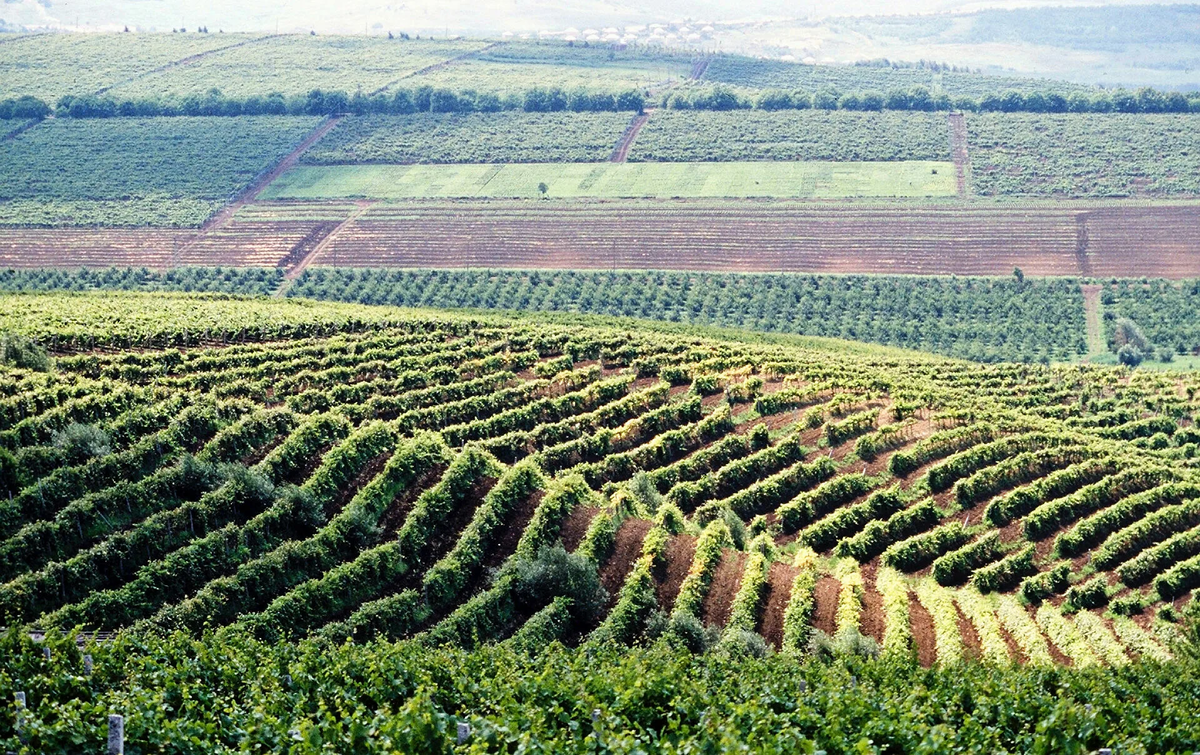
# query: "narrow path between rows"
[[222, 217], [621, 153], [959, 154], [1094, 320], [291, 275]]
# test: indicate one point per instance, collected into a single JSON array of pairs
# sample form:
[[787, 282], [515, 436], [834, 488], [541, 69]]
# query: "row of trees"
[[321, 102], [920, 98], [554, 99]]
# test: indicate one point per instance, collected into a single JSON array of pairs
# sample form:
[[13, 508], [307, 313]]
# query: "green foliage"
[[1083, 155], [683, 136], [973, 318], [921, 550], [20, 351], [1055, 581], [205, 160], [510, 137]]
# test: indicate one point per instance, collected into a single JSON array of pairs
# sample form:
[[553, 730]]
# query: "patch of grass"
[[808, 180]]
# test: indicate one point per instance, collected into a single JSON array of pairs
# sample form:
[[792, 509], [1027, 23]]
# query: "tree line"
[[424, 99], [427, 99], [921, 98]]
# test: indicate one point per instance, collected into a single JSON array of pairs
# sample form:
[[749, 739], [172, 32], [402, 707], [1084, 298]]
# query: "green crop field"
[[286, 64], [1084, 154], [689, 136], [816, 180], [266, 494], [50, 66], [137, 171], [516, 66], [506, 137], [982, 319], [775, 74]]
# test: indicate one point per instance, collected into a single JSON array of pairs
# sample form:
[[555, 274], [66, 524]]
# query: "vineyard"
[[282, 472], [682, 136], [980, 319], [1084, 155], [49, 66], [137, 171], [774, 74], [506, 137], [292, 487], [285, 64]]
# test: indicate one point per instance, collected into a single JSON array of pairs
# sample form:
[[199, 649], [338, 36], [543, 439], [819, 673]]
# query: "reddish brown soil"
[[621, 152], [510, 533], [825, 599], [1014, 650], [761, 236], [629, 546], [972, 647], [575, 526], [726, 581], [398, 509], [779, 592], [871, 622], [924, 638], [368, 473], [680, 551]]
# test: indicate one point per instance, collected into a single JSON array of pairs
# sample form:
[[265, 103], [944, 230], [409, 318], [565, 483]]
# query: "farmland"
[[840, 136], [284, 64], [506, 137], [613, 181], [137, 171], [982, 319], [288, 475], [773, 74], [50, 66], [515, 66], [1084, 155]]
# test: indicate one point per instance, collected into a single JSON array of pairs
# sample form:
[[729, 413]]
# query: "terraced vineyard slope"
[[288, 469]]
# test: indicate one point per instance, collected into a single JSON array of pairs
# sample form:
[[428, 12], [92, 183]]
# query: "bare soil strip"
[[629, 546], [959, 154], [924, 638], [871, 622], [699, 67], [1094, 319], [1123, 241], [295, 272], [725, 583], [680, 552], [621, 153], [779, 592]]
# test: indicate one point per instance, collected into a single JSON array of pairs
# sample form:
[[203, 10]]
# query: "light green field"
[[795, 180]]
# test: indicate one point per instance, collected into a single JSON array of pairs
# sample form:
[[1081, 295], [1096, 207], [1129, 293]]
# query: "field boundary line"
[[700, 67], [222, 217], [621, 153], [182, 62], [20, 130], [1093, 317], [1081, 245], [959, 154], [437, 66], [294, 273]]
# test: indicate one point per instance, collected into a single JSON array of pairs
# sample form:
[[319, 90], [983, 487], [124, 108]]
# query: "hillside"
[[289, 469]]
